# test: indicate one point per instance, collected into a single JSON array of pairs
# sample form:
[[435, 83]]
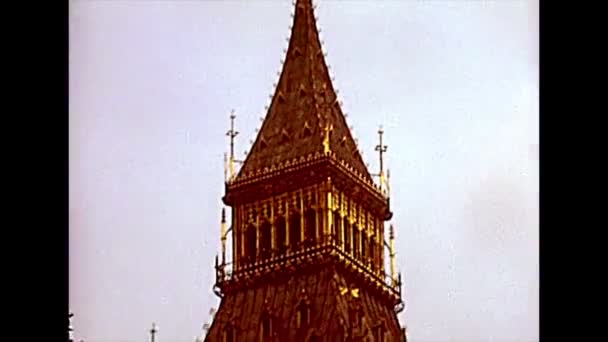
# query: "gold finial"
[[328, 129], [223, 235], [392, 253], [232, 134], [381, 149]]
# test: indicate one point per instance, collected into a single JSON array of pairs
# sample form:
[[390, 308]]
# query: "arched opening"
[[335, 228], [364, 247], [266, 329], [347, 236], [281, 228], [356, 242], [251, 241], [294, 229], [302, 316], [265, 240], [310, 227], [372, 252]]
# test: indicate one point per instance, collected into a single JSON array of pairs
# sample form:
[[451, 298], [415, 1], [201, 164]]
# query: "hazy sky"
[[455, 84]]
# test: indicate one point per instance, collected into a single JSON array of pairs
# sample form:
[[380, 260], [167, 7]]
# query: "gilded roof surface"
[[303, 107]]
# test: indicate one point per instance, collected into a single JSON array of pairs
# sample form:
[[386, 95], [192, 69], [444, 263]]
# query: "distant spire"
[[153, 332], [70, 328], [232, 134], [381, 150]]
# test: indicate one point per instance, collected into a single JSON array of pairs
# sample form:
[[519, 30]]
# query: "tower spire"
[[70, 328], [153, 332], [303, 199], [381, 150], [232, 134], [302, 108]]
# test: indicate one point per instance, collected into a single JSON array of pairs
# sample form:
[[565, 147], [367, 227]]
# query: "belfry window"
[[265, 239], [302, 316], [266, 329], [310, 225], [281, 234], [294, 228], [364, 246], [335, 228], [347, 236], [356, 242], [372, 252], [251, 241]]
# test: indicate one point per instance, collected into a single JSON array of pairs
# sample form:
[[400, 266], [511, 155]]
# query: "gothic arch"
[[356, 241], [347, 235], [335, 227], [310, 225], [364, 246], [294, 229], [267, 330], [281, 235], [302, 313], [251, 236], [265, 239]]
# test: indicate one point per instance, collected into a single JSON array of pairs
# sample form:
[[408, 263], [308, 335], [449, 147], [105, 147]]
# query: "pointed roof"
[[304, 105]]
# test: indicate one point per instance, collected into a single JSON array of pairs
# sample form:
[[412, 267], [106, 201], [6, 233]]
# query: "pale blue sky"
[[454, 83]]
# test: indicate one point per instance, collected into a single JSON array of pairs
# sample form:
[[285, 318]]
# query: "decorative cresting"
[[303, 204]]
